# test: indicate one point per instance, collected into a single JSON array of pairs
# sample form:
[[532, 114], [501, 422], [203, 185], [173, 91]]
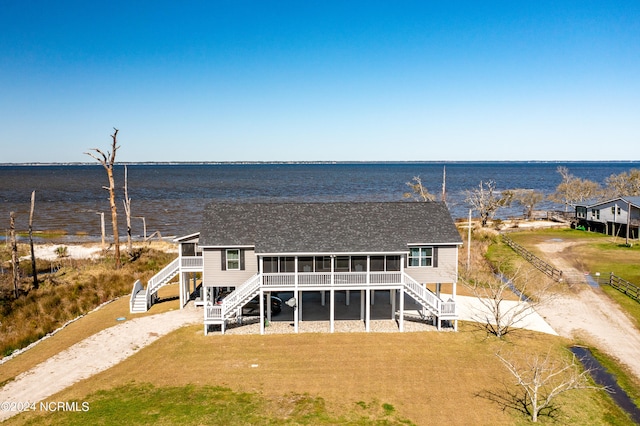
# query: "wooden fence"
[[555, 274], [631, 290]]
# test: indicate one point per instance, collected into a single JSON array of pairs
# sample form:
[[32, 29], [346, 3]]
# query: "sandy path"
[[91, 356], [588, 313]]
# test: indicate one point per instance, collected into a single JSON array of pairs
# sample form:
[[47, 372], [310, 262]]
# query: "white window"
[[421, 256], [233, 259]]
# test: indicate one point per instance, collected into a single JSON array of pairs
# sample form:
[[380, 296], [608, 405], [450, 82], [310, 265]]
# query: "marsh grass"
[[74, 288]]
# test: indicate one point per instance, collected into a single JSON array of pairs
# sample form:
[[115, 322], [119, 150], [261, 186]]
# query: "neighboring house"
[[611, 217], [292, 248]]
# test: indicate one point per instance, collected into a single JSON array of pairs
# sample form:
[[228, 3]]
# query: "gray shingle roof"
[[345, 227]]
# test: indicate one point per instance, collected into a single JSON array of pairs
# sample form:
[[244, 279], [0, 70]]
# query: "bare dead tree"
[[499, 312], [541, 378], [33, 254], [486, 200], [418, 191], [127, 210], [15, 260], [107, 160]]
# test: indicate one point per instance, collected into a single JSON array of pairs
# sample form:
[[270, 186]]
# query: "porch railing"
[[340, 279], [192, 262]]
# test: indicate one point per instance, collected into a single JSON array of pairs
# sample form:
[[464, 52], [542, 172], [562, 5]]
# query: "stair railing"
[[240, 294], [425, 296], [159, 279], [137, 287]]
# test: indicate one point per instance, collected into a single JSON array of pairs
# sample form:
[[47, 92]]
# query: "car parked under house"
[[260, 249]]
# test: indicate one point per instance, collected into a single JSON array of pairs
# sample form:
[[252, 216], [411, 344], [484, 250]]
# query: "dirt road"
[[587, 313]]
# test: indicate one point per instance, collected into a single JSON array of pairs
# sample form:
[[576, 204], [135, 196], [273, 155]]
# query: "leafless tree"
[[486, 200], [418, 191], [623, 184], [527, 198], [541, 378], [499, 312], [127, 210], [15, 260], [574, 190], [33, 255], [107, 160]]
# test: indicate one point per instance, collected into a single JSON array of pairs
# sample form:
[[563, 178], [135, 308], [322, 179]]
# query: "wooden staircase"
[[232, 304], [142, 299]]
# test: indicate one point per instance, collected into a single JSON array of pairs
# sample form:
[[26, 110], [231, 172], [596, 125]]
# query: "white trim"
[[434, 244], [186, 237], [228, 246], [337, 253]]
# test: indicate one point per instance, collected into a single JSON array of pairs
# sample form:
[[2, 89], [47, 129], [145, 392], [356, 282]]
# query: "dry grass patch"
[[423, 377], [76, 288]]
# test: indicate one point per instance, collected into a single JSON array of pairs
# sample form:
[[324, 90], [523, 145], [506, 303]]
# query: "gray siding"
[[606, 215], [446, 272], [213, 275]]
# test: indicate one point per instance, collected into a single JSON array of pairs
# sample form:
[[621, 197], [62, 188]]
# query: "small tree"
[[418, 191], [486, 200], [527, 198], [541, 378], [107, 160], [499, 311], [623, 184], [127, 211], [573, 190]]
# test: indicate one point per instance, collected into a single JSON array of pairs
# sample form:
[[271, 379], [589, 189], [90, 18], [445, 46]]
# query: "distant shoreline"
[[347, 162]]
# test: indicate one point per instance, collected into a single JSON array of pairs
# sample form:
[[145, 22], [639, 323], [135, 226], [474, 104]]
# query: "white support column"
[[332, 315], [348, 298], [322, 298], [401, 319], [373, 292], [268, 306], [261, 295], [367, 320], [300, 292], [362, 303], [181, 291], [392, 296], [295, 311]]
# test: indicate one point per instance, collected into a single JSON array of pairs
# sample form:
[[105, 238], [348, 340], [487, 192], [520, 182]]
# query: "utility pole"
[[444, 183], [628, 222]]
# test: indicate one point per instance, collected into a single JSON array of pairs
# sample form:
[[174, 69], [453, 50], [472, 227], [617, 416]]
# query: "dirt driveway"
[[586, 313]]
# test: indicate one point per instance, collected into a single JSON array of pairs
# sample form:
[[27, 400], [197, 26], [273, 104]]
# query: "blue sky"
[[320, 80]]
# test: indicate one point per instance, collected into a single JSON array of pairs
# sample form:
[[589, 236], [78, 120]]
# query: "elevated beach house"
[[408, 250], [612, 217]]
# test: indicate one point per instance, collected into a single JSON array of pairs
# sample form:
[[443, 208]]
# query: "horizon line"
[[241, 162]]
